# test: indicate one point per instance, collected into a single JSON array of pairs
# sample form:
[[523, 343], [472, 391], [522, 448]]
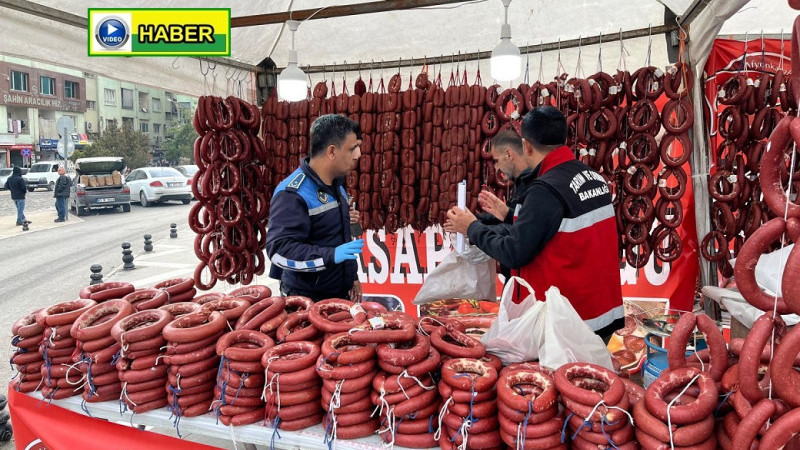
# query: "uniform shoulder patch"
[[296, 181]]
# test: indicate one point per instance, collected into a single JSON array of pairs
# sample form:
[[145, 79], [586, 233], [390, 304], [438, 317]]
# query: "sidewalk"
[[173, 258], [40, 220]]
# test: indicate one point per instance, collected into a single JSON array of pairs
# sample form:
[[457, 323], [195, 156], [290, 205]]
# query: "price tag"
[[658, 72], [671, 69], [545, 93], [613, 90], [591, 82], [623, 145], [583, 152], [662, 183], [632, 170], [377, 323], [592, 152], [357, 309], [732, 178], [749, 82]]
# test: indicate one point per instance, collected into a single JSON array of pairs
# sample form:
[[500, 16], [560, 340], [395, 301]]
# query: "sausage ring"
[[464, 346], [290, 356], [104, 291], [256, 344], [142, 299], [565, 374], [388, 327], [700, 407], [194, 327], [480, 376], [342, 349], [64, 313], [538, 403], [405, 356], [320, 312], [95, 323], [260, 312]]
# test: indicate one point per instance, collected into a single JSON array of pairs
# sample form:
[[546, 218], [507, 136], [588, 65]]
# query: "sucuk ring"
[[140, 326], [701, 407], [296, 327], [252, 294], [94, 323], [194, 327], [342, 349], [260, 312], [180, 309], [319, 315], [563, 381], [393, 327], [418, 350], [290, 356], [256, 344], [231, 308], [465, 346], [64, 313], [105, 291], [143, 299], [538, 403], [483, 380]]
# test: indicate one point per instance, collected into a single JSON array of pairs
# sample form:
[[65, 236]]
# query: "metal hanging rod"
[[416, 62]]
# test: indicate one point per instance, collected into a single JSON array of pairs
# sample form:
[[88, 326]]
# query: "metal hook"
[[359, 68], [201, 67], [680, 27], [173, 63], [344, 73]]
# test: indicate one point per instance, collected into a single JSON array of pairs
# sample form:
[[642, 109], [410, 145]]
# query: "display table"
[[63, 424]]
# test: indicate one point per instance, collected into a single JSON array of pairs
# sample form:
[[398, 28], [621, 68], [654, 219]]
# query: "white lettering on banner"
[[655, 275], [378, 265], [406, 253]]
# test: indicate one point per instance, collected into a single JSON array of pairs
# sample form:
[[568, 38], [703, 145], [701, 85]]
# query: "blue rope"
[[608, 437], [275, 432], [723, 402], [430, 424], [89, 376], [85, 409], [15, 340], [564, 428], [525, 423], [116, 357], [325, 359]]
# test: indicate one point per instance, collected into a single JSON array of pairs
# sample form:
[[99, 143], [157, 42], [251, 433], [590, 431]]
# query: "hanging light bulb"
[[506, 61], [292, 80]]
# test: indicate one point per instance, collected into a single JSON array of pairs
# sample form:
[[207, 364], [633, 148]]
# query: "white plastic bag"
[[472, 275], [518, 331], [567, 338]]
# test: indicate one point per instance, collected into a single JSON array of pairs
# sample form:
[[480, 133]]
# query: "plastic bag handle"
[[520, 281]]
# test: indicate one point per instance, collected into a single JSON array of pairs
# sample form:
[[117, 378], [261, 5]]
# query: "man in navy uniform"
[[308, 237]]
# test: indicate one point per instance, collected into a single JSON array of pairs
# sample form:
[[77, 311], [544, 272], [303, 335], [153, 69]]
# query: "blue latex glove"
[[348, 250]]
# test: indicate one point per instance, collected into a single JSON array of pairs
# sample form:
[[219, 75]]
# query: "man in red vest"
[[565, 233]]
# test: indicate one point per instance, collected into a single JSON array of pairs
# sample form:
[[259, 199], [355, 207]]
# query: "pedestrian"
[[16, 184], [565, 234], [61, 193], [309, 240]]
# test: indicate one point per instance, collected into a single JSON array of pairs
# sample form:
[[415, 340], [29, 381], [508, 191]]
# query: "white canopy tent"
[[378, 41]]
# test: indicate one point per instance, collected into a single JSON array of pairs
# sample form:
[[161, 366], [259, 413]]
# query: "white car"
[[158, 184]]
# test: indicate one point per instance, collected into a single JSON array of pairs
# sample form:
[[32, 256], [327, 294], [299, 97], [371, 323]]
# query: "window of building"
[[127, 122], [47, 86], [156, 105], [111, 97], [157, 128], [111, 123], [91, 104], [71, 89], [17, 119], [127, 98], [144, 126], [19, 81]]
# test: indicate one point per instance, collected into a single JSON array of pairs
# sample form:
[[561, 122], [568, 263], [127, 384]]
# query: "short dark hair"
[[545, 126], [508, 138], [331, 129]]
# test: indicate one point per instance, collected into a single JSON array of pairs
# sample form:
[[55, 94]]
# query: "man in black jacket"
[[508, 158], [61, 193], [16, 184]]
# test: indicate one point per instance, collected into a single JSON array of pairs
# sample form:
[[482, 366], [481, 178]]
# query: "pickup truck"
[[98, 183]]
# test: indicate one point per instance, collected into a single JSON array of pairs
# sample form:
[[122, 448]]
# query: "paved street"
[[38, 200]]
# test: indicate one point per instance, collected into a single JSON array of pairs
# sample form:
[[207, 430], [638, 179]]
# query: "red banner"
[[729, 58], [39, 426]]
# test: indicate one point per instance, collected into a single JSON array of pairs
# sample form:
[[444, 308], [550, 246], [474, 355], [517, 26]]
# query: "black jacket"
[[16, 184], [521, 185], [62, 186]]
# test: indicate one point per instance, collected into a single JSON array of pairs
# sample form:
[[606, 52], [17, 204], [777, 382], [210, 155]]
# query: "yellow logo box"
[[159, 32]]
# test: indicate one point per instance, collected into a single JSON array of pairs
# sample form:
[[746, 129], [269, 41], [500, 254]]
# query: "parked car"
[[5, 172], [189, 172], [98, 184], [158, 184], [42, 175]]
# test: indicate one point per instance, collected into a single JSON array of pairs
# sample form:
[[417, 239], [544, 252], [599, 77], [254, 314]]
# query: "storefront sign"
[[160, 32], [48, 143], [22, 146], [42, 102]]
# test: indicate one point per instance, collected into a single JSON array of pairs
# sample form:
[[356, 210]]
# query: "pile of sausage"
[[746, 176], [231, 185], [360, 370]]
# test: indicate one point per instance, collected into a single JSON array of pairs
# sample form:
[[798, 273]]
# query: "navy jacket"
[[16, 184], [307, 221]]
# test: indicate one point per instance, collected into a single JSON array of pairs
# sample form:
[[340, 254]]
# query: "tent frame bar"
[[474, 56]]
